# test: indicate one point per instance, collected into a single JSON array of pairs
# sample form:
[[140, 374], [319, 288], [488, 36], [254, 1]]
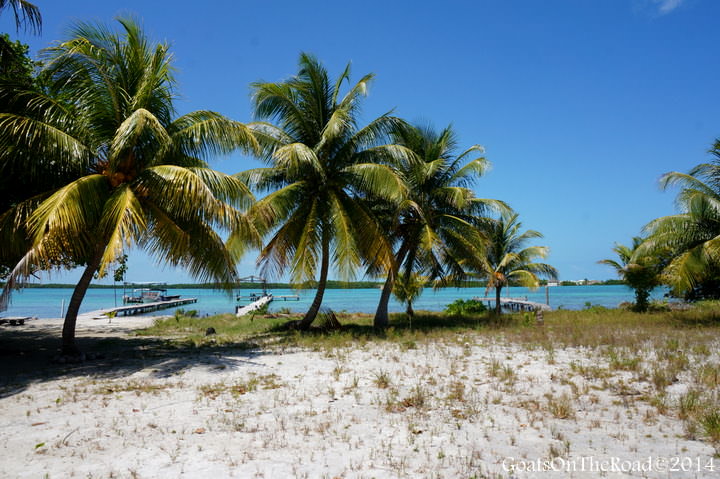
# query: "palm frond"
[[73, 210], [122, 223]]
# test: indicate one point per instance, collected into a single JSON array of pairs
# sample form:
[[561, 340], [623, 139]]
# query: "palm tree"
[[107, 118], [507, 258], [321, 166], [692, 237], [435, 227], [639, 272], [407, 289]]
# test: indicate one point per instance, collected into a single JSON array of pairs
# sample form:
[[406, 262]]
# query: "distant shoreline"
[[330, 285]]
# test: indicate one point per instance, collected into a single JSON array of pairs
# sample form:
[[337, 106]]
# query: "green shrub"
[[595, 308], [461, 307]]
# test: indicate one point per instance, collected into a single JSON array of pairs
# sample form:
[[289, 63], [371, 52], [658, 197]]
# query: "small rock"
[[210, 331]]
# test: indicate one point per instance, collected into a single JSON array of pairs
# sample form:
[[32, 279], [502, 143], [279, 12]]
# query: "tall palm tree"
[[435, 228], [692, 237], [507, 258], [321, 166], [139, 175], [640, 272]]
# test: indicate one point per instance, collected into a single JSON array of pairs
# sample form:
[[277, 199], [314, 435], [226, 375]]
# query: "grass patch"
[[615, 330]]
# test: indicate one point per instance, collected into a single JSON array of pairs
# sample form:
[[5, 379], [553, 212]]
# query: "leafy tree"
[[506, 257], [691, 238], [640, 272], [106, 120], [321, 167], [16, 67], [13, 54], [16, 73], [435, 227]]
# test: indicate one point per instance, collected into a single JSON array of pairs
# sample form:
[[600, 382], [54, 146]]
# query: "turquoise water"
[[47, 303]]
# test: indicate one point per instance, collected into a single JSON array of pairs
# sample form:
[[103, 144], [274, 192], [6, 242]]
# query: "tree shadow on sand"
[[26, 358]]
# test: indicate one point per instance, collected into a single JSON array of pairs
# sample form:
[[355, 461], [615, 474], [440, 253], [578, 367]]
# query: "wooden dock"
[[139, 308], [254, 306], [15, 321], [287, 297], [516, 304]]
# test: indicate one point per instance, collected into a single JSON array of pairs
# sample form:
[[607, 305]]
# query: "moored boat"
[[147, 293]]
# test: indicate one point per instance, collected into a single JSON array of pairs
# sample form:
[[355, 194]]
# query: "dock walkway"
[[254, 306], [140, 308], [516, 304]]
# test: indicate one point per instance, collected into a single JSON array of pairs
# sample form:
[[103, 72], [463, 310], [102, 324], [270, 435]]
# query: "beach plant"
[[691, 238], [640, 271], [141, 177], [321, 165], [461, 307], [434, 228], [506, 258]]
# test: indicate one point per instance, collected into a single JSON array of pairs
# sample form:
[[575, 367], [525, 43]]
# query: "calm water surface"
[[48, 303]]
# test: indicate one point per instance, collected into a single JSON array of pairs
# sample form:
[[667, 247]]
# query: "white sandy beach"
[[92, 324], [464, 409]]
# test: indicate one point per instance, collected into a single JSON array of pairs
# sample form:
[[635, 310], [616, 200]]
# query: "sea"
[[52, 302]]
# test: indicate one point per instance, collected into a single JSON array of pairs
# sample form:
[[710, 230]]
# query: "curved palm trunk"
[[69, 348], [381, 313], [310, 316], [498, 311], [409, 310]]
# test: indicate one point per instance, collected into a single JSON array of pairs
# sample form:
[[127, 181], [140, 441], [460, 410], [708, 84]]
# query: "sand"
[[463, 408]]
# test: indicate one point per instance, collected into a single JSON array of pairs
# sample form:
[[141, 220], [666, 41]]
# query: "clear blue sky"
[[581, 104]]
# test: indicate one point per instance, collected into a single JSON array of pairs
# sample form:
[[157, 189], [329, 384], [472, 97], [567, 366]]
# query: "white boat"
[[151, 293]]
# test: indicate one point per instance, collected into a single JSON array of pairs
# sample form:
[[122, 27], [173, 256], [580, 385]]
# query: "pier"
[[139, 308], [516, 304], [254, 306], [259, 300]]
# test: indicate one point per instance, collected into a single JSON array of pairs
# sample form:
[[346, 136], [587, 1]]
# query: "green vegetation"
[[464, 307], [135, 174], [105, 165], [407, 289], [691, 330], [321, 167], [681, 251], [436, 224], [506, 257], [640, 272]]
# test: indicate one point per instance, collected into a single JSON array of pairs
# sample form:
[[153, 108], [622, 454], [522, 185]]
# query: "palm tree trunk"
[[69, 347], [310, 316], [409, 310], [381, 313], [498, 311], [641, 300]]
